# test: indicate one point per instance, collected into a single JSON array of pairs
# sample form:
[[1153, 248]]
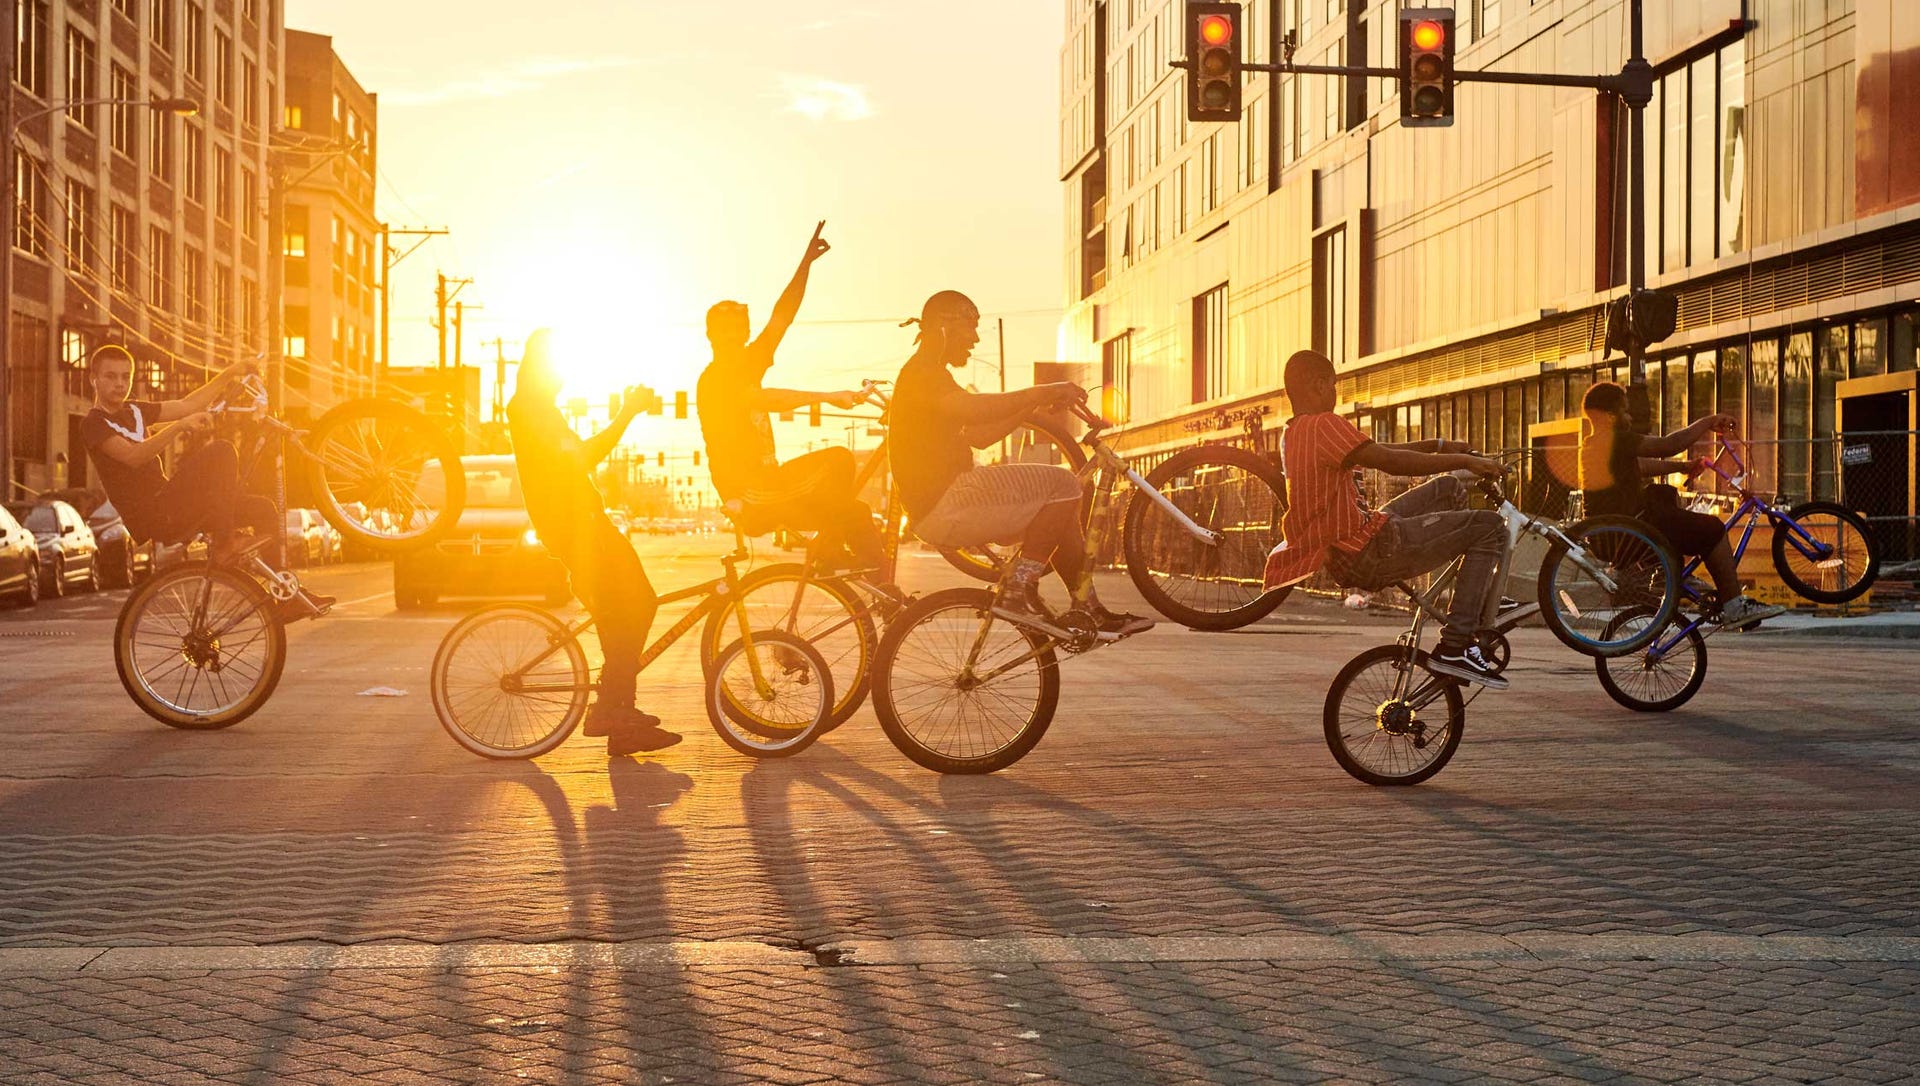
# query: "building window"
[[125, 91], [1116, 377], [121, 226], [1330, 294], [31, 209], [1763, 414], [1696, 161], [250, 93], [160, 24], [249, 305], [249, 204], [223, 299], [223, 67], [193, 156], [30, 47], [83, 83], [250, 10], [1210, 345], [125, 7], [79, 226], [160, 145], [159, 267], [1796, 417], [195, 27], [193, 277], [223, 184]]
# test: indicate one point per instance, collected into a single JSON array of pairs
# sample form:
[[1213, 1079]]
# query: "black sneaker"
[[626, 741], [1021, 605], [305, 604], [1467, 664], [604, 720], [1116, 625]]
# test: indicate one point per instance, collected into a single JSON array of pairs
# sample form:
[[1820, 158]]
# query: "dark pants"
[[814, 493], [607, 576], [204, 495], [1426, 528]]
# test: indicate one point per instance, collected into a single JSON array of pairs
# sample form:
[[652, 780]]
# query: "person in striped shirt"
[[1327, 525]]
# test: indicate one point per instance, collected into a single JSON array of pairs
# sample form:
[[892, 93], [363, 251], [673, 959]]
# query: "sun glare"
[[614, 324]]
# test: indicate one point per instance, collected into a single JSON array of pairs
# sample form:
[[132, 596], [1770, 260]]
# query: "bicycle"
[[512, 680], [203, 646], [958, 689], [1821, 541], [1596, 571]]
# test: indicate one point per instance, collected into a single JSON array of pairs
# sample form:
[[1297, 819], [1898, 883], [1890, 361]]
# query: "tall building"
[[330, 233], [133, 225], [1458, 277]]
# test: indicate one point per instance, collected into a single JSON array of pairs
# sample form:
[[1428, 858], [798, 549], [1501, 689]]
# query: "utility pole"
[[1002, 321], [441, 299], [499, 379], [459, 334], [388, 261]]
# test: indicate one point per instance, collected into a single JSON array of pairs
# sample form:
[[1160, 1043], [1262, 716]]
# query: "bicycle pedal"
[[1030, 621]]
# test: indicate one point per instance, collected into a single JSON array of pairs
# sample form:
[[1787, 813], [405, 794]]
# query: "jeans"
[[1426, 528], [205, 495], [607, 576], [814, 493]]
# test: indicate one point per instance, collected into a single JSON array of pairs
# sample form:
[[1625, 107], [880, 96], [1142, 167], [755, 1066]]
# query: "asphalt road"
[[1178, 885]]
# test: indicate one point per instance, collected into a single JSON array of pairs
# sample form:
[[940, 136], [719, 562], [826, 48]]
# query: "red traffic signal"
[[1213, 61], [1426, 67]]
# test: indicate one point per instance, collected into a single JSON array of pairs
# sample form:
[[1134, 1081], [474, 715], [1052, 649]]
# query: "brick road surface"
[[1184, 793]]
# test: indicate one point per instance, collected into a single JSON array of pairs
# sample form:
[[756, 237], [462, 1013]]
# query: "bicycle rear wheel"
[[1664, 676], [1620, 564], [771, 700], [1043, 443], [939, 711], [824, 612], [1388, 721], [199, 647], [510, 682], [1839, 565], [1213, 583], [388, 477]]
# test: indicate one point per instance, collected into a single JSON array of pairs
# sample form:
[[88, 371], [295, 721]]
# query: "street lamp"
[[184, 107]]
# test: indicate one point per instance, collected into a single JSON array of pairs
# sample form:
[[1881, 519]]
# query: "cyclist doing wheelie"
[[1615, 463], [936, 426], [570, 516], [814, 492], [1327, 525], [204, 494]]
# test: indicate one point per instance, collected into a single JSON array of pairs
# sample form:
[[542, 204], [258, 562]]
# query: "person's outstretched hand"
[[845, 400], [1483, 467], [818, 247]]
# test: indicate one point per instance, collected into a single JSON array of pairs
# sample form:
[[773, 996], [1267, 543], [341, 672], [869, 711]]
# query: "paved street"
[[1178, 885]]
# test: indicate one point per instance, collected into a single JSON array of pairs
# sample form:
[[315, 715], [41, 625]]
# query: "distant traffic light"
[[680, 405], [696, 458], [1426, 67], [1213, 61], [813, 415], [661, 459]]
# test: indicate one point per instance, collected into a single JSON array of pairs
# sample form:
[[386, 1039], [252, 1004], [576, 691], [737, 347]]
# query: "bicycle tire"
[[1842, 520], [831, 616], [1619, 673], [1337, 721], [143, 651], [789, 715], [377, 453], [1238, 494], [1577, 608], [896, 681], [985, 564], [464, 669]]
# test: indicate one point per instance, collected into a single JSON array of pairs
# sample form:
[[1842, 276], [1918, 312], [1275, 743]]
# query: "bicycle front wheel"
[[824, 612], [1837, 562], [388, 477], [199, 647], [959, 691], [1615, 565], [510, 682], [1212, 582], [770, 700], [1389, 721], [1666, 675], [1040, 442]]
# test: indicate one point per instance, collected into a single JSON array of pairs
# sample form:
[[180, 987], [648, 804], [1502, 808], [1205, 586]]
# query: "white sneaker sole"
[[1464, 674]]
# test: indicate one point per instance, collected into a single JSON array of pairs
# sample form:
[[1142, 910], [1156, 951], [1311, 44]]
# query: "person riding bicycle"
[[1615, 463], [1328, 526], [814, 492], [936, 425], [570, 517], [204, 494]]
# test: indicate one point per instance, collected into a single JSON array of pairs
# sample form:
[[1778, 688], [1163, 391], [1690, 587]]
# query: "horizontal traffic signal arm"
[[1622, 84]]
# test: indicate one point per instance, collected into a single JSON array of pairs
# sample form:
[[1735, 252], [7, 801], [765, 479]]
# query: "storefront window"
[[1796, 415], [1513, 436], [1700, 395], [1762, 413], [1869, 340], [1674, 413], [1900, 347], [1830, 369]]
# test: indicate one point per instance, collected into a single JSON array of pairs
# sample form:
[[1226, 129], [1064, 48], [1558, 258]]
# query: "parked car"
[[492, 550], [68, 553], [379, 520], [19, 562], [306, 543], [122, 561], [333, 545]]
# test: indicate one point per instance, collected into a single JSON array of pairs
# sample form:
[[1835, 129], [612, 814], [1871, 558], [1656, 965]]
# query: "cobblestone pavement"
[[1178, 885]]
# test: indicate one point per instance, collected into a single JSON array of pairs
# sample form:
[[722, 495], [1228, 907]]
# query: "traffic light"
[[1213, 61], [1426, 67], [813, 415], [662, 459], [696, 458], [680, 405]]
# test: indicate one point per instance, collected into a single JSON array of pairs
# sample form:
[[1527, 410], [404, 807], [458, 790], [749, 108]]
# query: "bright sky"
[[613, 167]]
